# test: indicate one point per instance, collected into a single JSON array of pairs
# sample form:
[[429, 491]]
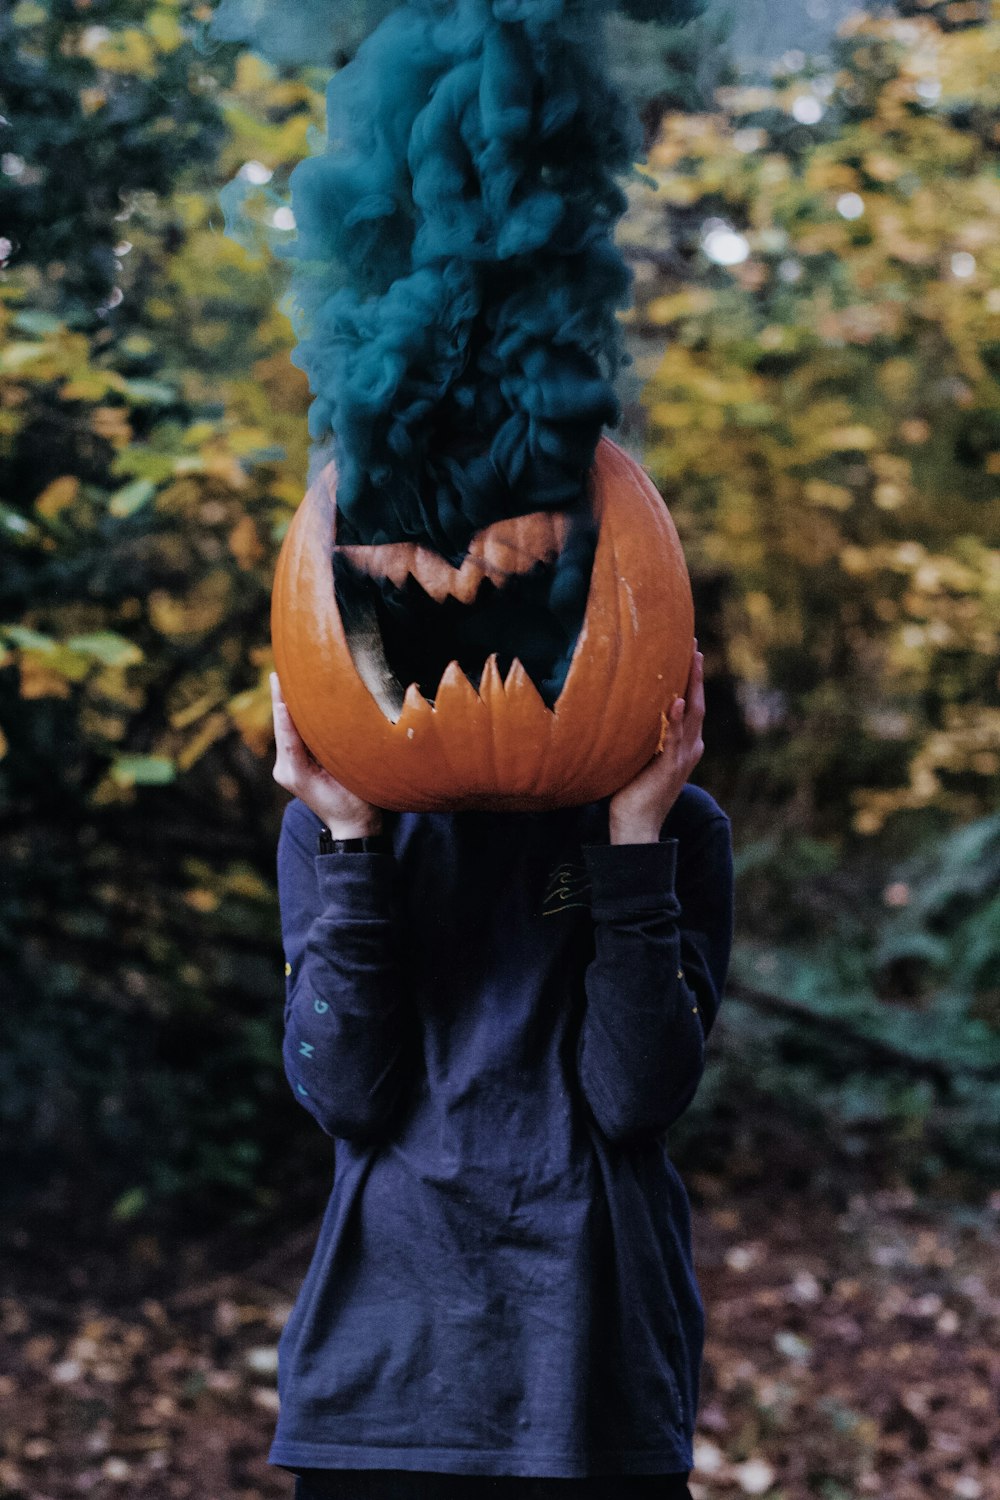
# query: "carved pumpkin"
[[499, 747]]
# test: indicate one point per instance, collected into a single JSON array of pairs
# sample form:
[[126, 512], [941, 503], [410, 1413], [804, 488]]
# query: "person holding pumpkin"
[[506, 912], [496, 1016]]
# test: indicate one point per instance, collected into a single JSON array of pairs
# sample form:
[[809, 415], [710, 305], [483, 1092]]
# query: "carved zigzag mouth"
[[408, 613]]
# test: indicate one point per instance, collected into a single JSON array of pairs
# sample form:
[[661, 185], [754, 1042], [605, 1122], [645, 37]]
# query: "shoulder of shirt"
[[694, 809]]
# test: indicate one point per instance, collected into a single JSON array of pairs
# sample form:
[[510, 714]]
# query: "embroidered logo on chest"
[[567, 889]]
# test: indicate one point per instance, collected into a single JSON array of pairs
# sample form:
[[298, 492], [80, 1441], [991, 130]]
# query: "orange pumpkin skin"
[[500, 747]]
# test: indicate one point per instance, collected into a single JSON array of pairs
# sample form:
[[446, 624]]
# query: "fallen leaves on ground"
[[849, 1354]]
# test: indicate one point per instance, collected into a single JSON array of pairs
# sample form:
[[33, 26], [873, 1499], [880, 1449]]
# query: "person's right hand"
[[346, 816]]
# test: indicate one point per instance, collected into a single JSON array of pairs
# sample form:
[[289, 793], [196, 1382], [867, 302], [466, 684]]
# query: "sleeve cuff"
[[360, 884], [629, 879]]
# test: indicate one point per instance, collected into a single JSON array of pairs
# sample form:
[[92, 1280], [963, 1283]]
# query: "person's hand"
[[637, 811], [346, 816]]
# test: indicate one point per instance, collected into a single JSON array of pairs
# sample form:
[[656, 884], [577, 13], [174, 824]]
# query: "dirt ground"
[[851, 1352]]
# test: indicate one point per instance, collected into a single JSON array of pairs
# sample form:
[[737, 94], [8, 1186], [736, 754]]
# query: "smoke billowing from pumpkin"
[[455, 292]]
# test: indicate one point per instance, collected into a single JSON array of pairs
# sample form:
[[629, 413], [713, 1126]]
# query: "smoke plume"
[[456, 282]]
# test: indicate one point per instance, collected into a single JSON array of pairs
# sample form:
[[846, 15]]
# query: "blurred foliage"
[[873, 1012], [152, 449], [99, 101], [825, 421]]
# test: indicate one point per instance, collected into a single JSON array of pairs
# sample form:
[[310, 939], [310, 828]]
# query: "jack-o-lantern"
[[494, 745]]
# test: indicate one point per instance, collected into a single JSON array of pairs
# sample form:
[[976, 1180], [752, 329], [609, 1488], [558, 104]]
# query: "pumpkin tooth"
[[415, 713], [384, 561], [520, 684], [461, 726], [499, 555], [491, 684], [466, 581], [432, 573], [529, 715], [520, 727], [516, 545], [455, 693], [439, 580]]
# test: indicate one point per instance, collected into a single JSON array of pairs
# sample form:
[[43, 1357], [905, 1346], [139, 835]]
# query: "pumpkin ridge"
[[578, 755], [491, 695], [415, 746], [523, 706], [610, 720], [457, 698]]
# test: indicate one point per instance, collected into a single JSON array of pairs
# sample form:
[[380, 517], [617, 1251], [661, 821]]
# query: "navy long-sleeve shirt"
[[497, 1023]]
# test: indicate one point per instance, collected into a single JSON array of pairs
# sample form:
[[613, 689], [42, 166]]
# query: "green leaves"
[[142, 770], [131, 497], [100, 646], [106, 647]]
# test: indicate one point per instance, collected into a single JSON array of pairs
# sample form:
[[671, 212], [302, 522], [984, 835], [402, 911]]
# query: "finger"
[[696, 719], [277, 705], [283, 721], [277, 696], [692, 667], [292, 759], [283, 725], [291, 770], [698, 696], [696, 689], [291, 750]]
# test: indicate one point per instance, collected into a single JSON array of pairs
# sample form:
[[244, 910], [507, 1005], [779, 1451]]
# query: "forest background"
[[815, 389]]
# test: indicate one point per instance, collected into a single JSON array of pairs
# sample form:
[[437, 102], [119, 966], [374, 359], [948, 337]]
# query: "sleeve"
[[345, 1042], [663, 930]]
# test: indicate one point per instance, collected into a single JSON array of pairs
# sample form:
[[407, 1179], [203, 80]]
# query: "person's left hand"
[[637, 811]]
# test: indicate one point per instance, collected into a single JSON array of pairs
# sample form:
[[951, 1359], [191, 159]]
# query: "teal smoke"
[[298, 33], [456, 283]]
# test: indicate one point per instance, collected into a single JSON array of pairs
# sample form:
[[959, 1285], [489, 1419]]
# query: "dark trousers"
[[398, 1484]]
